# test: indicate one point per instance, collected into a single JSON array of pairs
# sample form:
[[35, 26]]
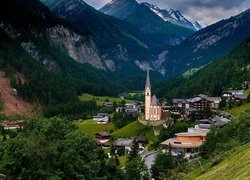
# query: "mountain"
[[47, 58], [208, 44], [146, 21], [174, 16], [118, 43], [229, 71]]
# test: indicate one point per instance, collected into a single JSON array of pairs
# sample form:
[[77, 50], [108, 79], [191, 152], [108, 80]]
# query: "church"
[[153, 110]]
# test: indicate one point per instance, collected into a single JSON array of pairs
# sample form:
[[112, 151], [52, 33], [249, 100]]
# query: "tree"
[[134, 151], [53, 149], [162, 166], [136, 169]]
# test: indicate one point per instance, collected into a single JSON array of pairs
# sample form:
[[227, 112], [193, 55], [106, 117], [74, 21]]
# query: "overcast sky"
[[206, 12]]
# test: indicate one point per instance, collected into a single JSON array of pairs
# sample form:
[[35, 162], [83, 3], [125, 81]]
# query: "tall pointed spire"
[[148, 85]]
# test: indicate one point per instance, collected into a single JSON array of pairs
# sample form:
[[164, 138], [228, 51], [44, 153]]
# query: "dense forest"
[[229, 71], [56, 149]]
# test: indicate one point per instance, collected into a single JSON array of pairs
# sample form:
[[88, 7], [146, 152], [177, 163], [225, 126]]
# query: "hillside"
[[50, 53], [229, 71], [134, 129], [12, 104], [235, 166], [116, 40], [208, 44]]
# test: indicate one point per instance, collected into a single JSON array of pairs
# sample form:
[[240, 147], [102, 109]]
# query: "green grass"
[[89, 121], [135, 128], [236, 111], [246, 92], [197, 171], [100, 100], [122, 160], [235, 166], [92, 128]]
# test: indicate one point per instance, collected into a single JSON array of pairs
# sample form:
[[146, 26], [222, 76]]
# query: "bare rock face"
[[81, 49], [34, 51]]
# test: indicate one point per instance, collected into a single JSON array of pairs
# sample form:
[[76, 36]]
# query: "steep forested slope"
[[228, 71], [208, 44], [39, 46]]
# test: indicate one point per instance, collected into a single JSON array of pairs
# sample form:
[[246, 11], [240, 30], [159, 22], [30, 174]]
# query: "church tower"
[[147, 97]]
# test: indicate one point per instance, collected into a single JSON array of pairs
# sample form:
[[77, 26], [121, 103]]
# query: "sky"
[[206, 12]]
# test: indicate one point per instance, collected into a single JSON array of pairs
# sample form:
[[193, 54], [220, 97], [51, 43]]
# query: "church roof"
[[155, 101], [148, 81]]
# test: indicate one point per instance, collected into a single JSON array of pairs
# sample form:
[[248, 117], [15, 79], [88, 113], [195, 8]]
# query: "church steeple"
[[148, 85], [147, 97]]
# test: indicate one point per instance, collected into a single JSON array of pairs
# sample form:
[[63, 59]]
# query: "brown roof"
[[213, 99], [180, 144], [140, 139]]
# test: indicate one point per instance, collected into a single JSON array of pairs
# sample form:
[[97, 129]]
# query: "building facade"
[[153, 110]]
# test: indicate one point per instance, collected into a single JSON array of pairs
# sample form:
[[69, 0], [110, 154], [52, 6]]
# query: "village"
[[204, 111]]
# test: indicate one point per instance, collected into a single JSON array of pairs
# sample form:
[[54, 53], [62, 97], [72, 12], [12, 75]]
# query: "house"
[[219, 121], [239, 97], [236, 92], [214, 102], [197, 103], [188, 143], [141, 140], [13, 124], [103, 145], [101, 118], [2, 176], [119, 109], [103, 137], [108, 104], [231, 93], [181, 104], [124, 143], [131, 108]]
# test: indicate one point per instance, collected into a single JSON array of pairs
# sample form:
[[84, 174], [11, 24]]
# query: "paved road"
[[149, 159]]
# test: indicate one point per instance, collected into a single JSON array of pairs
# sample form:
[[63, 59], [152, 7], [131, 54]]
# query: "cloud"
[[204, 11]]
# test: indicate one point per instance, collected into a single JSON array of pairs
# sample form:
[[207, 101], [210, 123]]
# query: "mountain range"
[[229, 71], [146, 21], [70, 47], [175, 17], [208, 44]]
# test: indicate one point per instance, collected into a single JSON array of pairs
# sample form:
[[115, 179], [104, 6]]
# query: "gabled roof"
[[179, 101], [213, 99], [148, 85], [123, 142], [103, 134], [155, 101]]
